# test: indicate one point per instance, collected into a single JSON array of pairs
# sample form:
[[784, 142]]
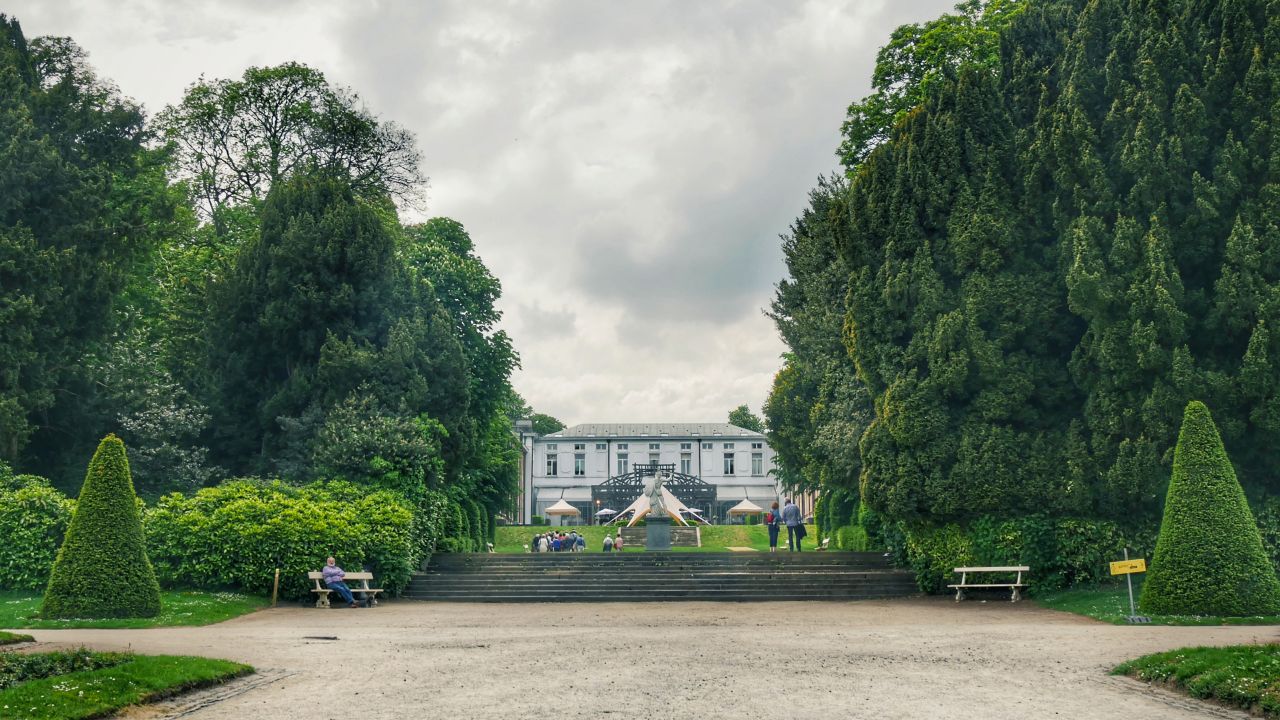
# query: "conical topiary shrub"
[[102, 570], [1209, 558]]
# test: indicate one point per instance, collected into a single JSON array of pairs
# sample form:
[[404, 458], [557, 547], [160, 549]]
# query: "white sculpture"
[[653, 490]]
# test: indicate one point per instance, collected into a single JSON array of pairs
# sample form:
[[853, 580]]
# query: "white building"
[[566, 465]]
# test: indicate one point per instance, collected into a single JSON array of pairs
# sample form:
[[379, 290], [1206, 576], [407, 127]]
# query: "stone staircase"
[[662, 576]]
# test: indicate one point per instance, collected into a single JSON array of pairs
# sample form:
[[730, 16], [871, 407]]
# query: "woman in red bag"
[[774, 522]]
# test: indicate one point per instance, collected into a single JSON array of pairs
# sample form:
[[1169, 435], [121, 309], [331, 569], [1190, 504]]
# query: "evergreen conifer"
[[1209, 558], [102, 570]]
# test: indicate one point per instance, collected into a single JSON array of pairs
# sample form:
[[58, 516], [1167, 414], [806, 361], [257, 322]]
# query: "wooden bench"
[[322, 592], [1016, 586]]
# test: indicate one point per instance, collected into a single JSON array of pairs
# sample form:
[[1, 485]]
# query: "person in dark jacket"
[[774, 521]]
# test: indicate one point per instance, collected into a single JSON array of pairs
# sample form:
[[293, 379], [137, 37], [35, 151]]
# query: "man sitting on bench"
[[333, 579]]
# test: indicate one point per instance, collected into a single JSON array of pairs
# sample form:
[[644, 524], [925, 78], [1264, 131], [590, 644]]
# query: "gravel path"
[[873, 659]]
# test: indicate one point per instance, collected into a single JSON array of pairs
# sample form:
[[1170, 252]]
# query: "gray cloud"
[[624, 168]]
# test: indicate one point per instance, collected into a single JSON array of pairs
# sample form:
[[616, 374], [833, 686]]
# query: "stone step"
[[657, 577]]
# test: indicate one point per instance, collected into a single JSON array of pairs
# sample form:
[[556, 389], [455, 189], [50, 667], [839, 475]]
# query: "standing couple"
[[790, 516]]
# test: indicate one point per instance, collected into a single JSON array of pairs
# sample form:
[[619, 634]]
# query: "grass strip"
[[8, 638], [1242, 676], [1110, 604], [715, 538], [95, 693], [178, 607]]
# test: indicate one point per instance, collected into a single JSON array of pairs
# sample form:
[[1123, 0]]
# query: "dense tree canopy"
[[237, 138], [231, 290], [81, 199], [744, 418], [918, 57], [1047, 260]]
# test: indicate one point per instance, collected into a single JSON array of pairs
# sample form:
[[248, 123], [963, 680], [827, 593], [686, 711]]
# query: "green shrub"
[[33, 520], [820, 520], [102, 569], [235, 535], [1209, 558], [18, 668], [852, 537], [1061, 552], [933, 552]]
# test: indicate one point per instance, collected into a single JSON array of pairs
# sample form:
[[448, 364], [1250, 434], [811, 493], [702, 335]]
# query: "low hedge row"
[[33, 519], [233, 536], [236, 534], [1062, 552]]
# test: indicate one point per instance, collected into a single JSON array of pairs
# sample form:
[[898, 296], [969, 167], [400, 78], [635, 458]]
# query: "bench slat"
[[1017, 568], [989, 585]]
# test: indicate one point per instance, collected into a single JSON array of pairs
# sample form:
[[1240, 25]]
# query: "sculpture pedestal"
[[658, 533]]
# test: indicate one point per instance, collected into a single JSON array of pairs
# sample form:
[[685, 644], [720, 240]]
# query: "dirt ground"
[[913, 658]]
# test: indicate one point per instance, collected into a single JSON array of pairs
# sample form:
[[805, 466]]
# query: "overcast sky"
[[625, 168]]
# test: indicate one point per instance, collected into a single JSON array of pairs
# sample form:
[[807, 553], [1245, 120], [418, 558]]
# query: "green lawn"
[[1244, 676], [94, 693], [715, 538], [179, 607], [7, 638], [1111, 604]]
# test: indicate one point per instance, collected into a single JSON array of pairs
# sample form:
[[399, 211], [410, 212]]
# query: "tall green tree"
[[236, 138], [81, 199], [918, 57], [744, 418], [319, 308], [1043, 260]]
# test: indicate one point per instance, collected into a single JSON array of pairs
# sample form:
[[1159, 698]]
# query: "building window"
[[551, 448], [728, 463], [654, 446], [757, 463], [579, 465], [757, 446], [706, 446], [579, 446], [686, 463], [622, 446], [686, 446], [601, 446], [653, 458], [551, 465], [728, 446], [622, 463]]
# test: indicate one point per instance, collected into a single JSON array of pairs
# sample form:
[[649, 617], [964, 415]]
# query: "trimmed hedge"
[[236, 534], [1209, 559], [33, 520], [1061, 552], [102, 569]]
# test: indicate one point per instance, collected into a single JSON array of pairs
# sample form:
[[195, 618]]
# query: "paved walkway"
[[872, 659]]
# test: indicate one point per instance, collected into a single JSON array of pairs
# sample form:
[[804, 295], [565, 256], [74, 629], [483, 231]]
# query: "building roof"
[[652, 430]]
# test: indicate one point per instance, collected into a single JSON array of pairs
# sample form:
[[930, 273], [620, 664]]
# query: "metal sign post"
[[1127, 568]]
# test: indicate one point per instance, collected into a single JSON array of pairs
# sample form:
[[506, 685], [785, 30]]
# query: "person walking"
[[580, 544], [795, 525], [617, 541], [608, 543], [774, 522], [544, 543]]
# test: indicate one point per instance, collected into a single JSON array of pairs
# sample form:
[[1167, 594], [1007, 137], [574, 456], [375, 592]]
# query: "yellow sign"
[[1125, 567]]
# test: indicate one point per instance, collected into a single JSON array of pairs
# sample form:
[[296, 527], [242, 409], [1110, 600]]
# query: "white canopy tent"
[[562, 508], [746, 507]]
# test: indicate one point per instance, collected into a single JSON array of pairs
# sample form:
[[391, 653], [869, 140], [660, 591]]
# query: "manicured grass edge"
[[1111, 605], [181, 608], [1238, 676], [97, 693], [8, 638]]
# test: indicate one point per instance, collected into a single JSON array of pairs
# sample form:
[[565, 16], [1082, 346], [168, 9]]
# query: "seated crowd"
[[571, 541]]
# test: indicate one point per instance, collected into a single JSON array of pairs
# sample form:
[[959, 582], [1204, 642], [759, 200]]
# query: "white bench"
[[964, 583], [322, 592]]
